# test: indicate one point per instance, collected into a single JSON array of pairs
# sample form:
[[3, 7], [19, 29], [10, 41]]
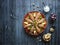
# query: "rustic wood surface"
[[11, 17]]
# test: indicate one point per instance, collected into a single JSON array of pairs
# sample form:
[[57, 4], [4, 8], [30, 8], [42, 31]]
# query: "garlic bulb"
[[46, 8], [47, 37]]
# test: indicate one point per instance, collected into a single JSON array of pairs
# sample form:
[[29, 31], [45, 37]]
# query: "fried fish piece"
[[38, 29], [41, 25], [40, 21], [28, 20], [31, 16], [37, 16], [27, 25], [32, 29]]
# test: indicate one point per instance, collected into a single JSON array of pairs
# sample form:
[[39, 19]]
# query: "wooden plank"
[[16, 33]]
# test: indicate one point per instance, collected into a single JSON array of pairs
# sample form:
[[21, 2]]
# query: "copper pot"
[[32, 31]]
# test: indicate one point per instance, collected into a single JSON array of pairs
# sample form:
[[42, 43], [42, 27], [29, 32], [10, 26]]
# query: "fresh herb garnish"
[[40, 17]]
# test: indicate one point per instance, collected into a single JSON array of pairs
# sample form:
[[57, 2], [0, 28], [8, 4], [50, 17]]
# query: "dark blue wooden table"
[[11, 16]]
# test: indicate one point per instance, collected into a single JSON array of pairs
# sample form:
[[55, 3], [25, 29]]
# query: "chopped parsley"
[[40, 17]]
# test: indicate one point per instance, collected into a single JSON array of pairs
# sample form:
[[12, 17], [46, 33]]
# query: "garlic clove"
[[51, 29]]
